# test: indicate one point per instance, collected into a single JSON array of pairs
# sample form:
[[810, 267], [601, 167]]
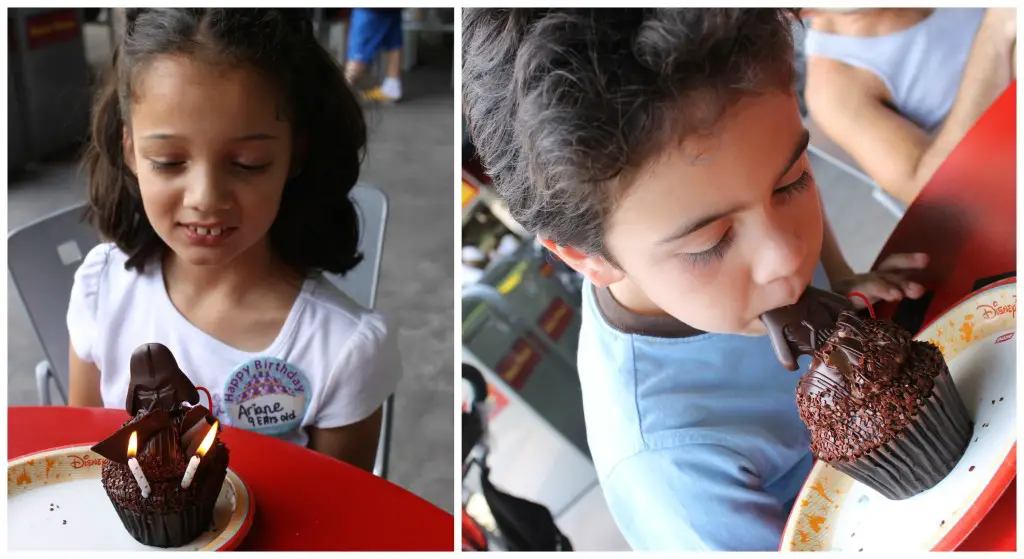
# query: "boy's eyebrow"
[[246, 138], [703, 222]]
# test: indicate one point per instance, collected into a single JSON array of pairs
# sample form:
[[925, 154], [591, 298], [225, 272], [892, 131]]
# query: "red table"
[[304, 500], [965, 219]]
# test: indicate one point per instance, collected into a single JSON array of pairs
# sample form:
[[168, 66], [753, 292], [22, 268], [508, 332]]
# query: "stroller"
[[519, 525]]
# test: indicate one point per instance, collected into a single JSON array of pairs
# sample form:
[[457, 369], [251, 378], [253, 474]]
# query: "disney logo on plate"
[[995, 309], [85, 461]]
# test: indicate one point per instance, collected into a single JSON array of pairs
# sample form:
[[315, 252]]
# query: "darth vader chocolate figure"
[[799, 329], [158, 388], [156, 381]]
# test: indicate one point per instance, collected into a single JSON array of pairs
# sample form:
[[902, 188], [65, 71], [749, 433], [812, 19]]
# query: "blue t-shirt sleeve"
[[699, 497]]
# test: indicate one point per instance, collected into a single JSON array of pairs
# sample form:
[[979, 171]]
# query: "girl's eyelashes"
[[166, 166], [715, 253], [172, 166], [795, 187], [253, 168]]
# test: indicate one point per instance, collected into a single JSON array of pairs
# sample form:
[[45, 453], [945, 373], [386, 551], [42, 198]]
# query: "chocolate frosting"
[[859, 356], [866, 383], [156, 381], [802, 327]]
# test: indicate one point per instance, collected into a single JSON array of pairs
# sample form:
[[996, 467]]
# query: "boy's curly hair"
[[316, 228], [564, 104]]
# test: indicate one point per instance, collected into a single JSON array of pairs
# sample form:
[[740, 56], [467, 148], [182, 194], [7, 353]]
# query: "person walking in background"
[[373, 30]]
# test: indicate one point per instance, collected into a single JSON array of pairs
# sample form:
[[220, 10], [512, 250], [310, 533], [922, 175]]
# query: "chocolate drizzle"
[[865, 384], [802, 327]]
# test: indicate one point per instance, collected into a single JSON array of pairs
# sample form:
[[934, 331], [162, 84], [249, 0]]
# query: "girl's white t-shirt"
[[333, 363]]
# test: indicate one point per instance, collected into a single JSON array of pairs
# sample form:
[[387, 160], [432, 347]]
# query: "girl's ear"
[[129, 150]]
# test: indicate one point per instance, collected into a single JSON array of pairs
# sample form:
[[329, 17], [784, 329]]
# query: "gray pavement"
[[410, 157]]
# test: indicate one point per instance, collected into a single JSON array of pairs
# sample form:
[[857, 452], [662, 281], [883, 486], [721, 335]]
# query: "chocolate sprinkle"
[[1000, 399], [971, 469], [858, 395]]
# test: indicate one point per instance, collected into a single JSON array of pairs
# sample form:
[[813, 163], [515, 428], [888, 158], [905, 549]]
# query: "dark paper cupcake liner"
[[167, 529], [923, 453]]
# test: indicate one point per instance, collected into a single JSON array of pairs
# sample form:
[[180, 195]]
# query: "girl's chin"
[[202, 256]]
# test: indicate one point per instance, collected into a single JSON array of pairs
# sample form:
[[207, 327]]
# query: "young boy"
[[660, 153]]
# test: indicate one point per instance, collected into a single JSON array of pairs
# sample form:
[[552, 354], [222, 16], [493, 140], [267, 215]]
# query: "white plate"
[[835, 513], [56, 501]]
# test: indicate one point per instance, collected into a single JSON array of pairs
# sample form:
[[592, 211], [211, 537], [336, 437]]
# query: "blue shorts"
[[372, 30]]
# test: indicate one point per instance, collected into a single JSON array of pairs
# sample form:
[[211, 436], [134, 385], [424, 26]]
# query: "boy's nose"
[[780, 256]]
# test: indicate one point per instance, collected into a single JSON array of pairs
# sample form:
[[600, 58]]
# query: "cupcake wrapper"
[[923, 453], [170, 529]]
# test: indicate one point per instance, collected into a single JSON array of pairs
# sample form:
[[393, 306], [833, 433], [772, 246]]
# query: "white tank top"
[[921, 65]]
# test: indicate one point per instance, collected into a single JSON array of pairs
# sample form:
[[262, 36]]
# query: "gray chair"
[[44, 255], [824, 147]]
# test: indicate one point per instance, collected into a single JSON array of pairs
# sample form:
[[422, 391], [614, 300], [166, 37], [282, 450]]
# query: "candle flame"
[[208, 441], [133, 444]]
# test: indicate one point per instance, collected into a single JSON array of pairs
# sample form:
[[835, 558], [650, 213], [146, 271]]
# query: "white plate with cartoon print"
[[56, 501], [835, 513]]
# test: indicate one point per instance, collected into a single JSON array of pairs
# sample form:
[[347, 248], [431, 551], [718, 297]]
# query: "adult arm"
[[897, 154]]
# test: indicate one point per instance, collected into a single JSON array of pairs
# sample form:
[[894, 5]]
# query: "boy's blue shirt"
[[696, 440]]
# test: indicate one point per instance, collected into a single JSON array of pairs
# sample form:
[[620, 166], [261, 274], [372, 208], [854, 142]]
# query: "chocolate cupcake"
[[168, 435], [883, 408]]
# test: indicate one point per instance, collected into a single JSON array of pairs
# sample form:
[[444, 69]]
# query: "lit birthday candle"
[[193, 463], [133, 465]]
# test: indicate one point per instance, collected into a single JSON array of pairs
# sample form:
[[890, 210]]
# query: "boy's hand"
[[889, 282]]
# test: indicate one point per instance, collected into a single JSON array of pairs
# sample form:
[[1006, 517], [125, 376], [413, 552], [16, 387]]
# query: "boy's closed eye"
[[718, 249]]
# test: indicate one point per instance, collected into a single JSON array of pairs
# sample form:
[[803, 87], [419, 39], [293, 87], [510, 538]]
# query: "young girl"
[[224, 146]]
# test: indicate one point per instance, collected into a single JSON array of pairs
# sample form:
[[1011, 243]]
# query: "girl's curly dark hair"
[[316, 228]]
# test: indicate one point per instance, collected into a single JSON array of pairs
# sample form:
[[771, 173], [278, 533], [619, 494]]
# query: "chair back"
[[42, 258], [361, 282]]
